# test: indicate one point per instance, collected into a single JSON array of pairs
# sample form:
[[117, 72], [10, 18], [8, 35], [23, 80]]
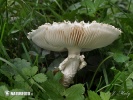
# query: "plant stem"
[[98, 69]]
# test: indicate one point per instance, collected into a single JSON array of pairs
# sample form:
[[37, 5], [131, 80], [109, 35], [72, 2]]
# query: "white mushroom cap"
[[59, 36]]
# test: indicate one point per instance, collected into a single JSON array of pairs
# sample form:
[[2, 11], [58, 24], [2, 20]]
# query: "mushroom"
[[74, 37]]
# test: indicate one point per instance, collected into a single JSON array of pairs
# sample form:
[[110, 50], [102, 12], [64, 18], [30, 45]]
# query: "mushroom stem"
[[71, 65]]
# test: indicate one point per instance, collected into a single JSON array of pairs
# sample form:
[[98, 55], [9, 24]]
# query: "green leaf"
[[74, 6], [3, 90], [55, 63], [130, 67], [129, 84], [75, 92], [19, 78], [21, 63], [119, 57], [34, 70], [50, 74], [105, 96], [58, 76], [54, 89], [27, 71], [93, 95], [131, 56], [6, 74], [44, 53], [30, 71], [130, 76], [32, 81], [23, 85], [18, 63], [89, 4], [40, 77], [97, 3]]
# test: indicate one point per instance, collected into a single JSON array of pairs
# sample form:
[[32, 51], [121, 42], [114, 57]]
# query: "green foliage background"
[[26, 67]]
